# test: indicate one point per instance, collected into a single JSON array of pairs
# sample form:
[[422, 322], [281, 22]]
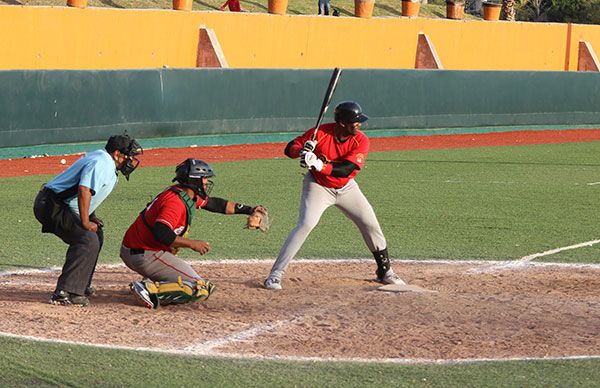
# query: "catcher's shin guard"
[[178, 292], [383, 262]]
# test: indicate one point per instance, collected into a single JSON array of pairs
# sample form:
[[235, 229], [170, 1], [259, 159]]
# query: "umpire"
[[66, 206]]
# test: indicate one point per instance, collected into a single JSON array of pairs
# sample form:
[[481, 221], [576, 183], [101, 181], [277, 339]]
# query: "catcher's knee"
[[182, 291]]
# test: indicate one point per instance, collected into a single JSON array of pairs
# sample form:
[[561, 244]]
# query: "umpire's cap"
[[127, 145], [349, 112]]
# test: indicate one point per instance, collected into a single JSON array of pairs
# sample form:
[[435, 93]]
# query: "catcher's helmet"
[[190, 172], [349, 112]]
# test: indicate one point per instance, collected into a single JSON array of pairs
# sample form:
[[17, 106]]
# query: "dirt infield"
[[332, 310], [171, 157], [329, 310]]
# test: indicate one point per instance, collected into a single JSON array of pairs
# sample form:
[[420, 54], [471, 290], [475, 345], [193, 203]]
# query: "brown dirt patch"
[[170, 156], [328, 310], [332, 311]]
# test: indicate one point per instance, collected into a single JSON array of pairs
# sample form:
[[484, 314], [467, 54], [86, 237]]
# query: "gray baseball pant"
[[313, 203], [158, 266]]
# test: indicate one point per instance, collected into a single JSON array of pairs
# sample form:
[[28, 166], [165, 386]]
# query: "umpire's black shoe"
[[66, 298], [89, 291]]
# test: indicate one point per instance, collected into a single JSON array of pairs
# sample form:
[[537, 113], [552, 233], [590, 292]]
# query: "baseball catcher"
[[151, 243]]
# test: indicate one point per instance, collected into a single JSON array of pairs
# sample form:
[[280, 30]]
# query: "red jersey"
[[234, 5], [167, 208], [329, 149]]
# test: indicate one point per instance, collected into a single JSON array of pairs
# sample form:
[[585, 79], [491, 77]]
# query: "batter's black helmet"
[[190, 172], [349, 112]]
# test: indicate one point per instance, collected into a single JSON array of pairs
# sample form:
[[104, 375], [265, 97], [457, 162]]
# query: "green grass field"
[[27, 364], [496, 203], [383, 8]]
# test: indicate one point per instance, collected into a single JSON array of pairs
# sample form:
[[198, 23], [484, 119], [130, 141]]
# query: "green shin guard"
[[178, 292]]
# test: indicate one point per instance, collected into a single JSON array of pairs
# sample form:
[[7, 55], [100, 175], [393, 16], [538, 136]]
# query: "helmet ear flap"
[[182, 172]]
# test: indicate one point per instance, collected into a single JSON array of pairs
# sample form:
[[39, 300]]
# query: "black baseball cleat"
[[65, 298]]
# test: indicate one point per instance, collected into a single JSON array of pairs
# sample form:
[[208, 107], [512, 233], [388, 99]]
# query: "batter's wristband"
[[240, 208], [327, 169]]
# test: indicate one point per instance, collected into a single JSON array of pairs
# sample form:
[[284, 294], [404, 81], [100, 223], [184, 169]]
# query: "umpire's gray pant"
[[84, 246]]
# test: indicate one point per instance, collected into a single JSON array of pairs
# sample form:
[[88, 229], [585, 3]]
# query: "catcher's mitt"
[[259, 219]]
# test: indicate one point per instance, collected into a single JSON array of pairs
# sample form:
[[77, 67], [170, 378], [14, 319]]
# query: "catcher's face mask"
[[201, 186], [207, 185]]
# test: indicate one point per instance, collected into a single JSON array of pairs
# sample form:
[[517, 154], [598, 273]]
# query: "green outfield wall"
[[51, 107]]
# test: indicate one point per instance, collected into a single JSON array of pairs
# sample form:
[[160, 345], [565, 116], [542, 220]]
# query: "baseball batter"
[[333, 159]]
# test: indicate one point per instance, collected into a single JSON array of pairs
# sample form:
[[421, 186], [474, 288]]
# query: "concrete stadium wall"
[[49, 107], [105, 38]]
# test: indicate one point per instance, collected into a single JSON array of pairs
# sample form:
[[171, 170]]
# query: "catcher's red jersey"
[[329, 149], [167, 208]]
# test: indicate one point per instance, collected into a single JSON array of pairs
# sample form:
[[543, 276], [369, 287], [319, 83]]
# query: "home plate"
[[403, 288]]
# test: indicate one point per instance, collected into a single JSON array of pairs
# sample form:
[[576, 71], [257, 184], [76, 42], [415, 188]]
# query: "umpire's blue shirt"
[[95, 170]]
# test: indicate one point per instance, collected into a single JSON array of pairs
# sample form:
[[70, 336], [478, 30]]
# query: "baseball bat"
[[333, 81]]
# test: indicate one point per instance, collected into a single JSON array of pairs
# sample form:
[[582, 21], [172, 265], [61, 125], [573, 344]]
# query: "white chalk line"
[[17, 282], [527, 261], [557, 250], [480, 266], [207, 347], [499, 263], [31, 271], [405, 361]]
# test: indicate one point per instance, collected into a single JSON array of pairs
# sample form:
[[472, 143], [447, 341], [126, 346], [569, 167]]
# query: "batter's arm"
[[343, 168], [292, 150]]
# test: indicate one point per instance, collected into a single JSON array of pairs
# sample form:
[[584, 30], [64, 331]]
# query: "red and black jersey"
[[167, 208], [329, 149]]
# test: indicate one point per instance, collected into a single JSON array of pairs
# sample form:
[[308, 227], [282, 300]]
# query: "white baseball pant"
[[313, 203]]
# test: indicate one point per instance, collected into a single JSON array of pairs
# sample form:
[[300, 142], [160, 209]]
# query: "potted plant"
[[455, 9], [363, 8], [491, 9], [410, 8], [278, 7], [182, 5], [77, 3]]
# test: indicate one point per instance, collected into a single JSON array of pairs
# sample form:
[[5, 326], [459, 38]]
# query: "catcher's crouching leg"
[[153, 294]]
